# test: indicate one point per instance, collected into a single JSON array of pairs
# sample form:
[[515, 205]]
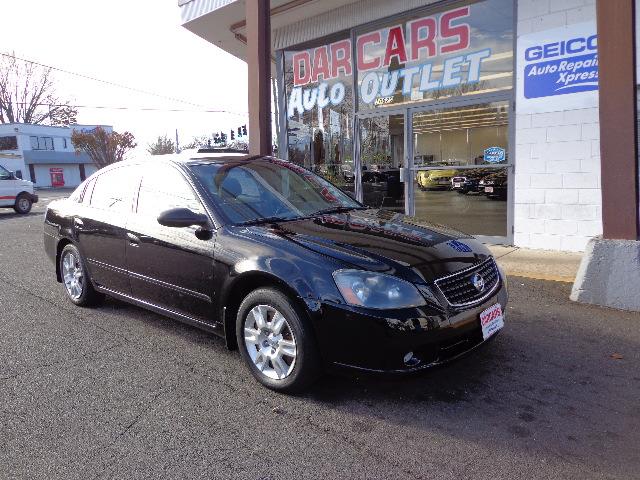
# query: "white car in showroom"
[[16, 193]]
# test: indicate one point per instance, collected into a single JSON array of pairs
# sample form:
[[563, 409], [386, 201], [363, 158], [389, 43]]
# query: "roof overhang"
[[222, 22]]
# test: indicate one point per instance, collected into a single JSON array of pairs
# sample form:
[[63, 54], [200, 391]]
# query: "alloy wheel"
[[270, 342], [72, 275]]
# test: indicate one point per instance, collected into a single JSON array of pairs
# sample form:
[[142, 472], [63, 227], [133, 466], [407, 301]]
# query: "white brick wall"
[[557, 181]]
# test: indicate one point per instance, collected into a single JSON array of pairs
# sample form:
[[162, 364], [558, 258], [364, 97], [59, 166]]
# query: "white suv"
[[15, 192]]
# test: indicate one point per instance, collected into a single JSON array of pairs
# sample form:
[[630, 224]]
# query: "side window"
[[113, 190], [162, 188]]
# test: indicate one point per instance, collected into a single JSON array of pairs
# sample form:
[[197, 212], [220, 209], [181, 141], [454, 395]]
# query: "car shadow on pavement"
[[561, 378]]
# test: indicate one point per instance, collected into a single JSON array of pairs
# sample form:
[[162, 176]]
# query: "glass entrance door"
[[461, 171], [381, 157]]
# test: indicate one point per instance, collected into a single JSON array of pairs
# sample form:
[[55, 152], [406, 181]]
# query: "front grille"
[[459, 289], [459, 179]]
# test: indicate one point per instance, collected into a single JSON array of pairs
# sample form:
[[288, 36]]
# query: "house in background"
[[44, 154]]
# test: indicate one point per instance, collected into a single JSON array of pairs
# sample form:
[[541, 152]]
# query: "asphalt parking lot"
[[119, 392]]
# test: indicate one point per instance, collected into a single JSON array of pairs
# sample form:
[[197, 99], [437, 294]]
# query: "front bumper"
[[380, 341]]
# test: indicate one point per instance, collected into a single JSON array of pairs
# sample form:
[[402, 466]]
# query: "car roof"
[[211, 156], [191, 157]]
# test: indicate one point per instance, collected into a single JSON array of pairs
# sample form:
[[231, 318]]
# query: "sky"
[[140, 44]]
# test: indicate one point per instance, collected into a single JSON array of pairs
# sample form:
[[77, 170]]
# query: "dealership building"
[[513, 120]]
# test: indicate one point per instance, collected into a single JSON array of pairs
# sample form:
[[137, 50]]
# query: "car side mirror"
[[182, 217]]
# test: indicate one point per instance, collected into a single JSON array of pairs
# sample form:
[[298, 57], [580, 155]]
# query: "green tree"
[[162, 146], [103, 147]]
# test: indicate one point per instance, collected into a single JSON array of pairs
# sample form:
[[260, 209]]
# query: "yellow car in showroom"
[[435, 179]]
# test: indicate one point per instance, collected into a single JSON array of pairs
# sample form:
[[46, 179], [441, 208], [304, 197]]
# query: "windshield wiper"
[[339, 209], [274, 219]]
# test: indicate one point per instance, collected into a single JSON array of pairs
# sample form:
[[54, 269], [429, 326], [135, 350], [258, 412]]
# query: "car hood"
[[388, 242]]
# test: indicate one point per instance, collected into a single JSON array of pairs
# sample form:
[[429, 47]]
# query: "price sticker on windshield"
[[491, 320]]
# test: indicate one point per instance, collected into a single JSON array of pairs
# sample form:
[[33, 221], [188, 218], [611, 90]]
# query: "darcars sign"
[[426, 47], [435, 52]]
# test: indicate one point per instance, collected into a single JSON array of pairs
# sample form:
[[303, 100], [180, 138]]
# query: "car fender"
[[275, 272]]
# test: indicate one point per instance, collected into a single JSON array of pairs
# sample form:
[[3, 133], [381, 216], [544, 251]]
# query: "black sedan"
[[277, 261], [495, 185], [469, 181]]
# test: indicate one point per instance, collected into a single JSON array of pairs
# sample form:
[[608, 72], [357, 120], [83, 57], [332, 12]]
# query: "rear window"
[[76, 195]]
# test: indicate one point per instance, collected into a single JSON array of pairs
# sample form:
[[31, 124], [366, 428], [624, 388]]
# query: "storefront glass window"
[[381, 156], [461, 50], [319, 108], [458, 156]]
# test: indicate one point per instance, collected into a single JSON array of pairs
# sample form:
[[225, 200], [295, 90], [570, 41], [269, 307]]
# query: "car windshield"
[[269, 189], [4, 172]]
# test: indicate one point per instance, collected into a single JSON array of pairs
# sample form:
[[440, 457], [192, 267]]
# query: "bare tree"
[[103, 147], [27, 94], [161, 146]]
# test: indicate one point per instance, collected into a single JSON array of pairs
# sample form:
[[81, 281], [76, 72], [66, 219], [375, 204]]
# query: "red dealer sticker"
[[491, 320]]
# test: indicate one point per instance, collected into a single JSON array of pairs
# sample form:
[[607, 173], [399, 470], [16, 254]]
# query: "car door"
[[169, 267], [100, 226], [8, 188]]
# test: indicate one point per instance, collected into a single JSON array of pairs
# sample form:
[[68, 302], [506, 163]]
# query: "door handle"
[[134, 240]]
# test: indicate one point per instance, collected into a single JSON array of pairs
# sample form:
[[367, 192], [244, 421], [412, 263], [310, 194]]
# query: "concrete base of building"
[[609, 275]]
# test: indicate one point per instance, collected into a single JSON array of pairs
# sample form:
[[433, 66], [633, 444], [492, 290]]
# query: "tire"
[[81, 293], [266, 351], [23, 204]]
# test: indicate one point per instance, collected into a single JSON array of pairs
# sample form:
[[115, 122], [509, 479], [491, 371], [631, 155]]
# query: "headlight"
[[376, 290]]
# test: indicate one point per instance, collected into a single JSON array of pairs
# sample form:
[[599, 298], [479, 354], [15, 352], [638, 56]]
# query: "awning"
[[40, 157]]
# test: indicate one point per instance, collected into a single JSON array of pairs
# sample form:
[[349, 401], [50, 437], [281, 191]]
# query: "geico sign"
[[572, 46]]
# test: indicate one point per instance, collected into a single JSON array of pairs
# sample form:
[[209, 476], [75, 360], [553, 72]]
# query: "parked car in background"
[[468, 181], [495, 185], [279, 262], [16, 193], [347, 173], [435, 179]]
